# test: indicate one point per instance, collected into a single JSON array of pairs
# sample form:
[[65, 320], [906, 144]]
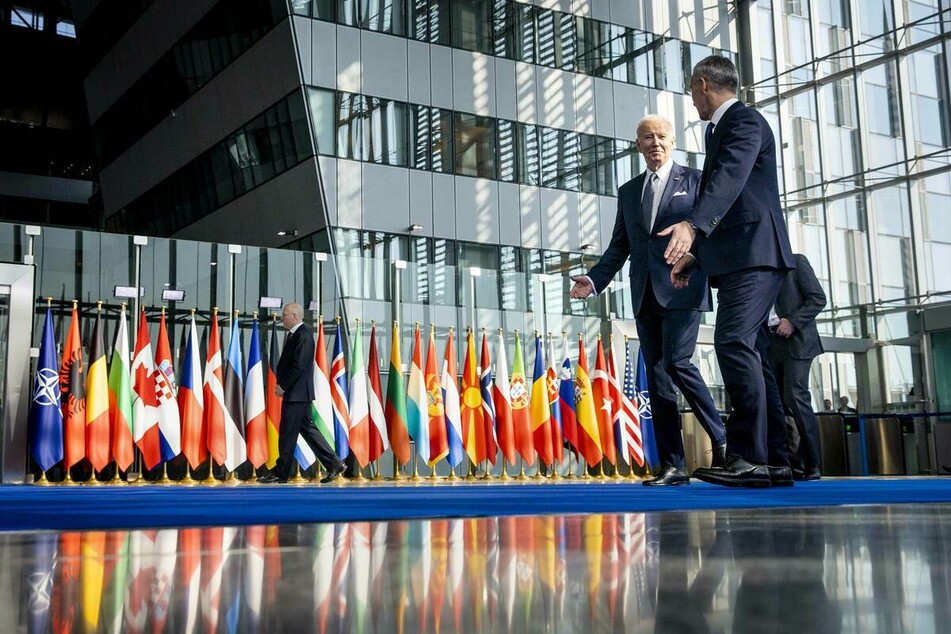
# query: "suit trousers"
[[793, 378], [668, 337], [777, 437], [743, 301], [295, 419]]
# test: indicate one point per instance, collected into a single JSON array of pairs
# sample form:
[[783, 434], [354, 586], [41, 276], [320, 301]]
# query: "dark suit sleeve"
[[739, 148], [813, 297], [616, 254], [298, 359]]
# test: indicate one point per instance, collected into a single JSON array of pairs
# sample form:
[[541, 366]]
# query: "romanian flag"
[[359, 403], [170, 424], [378, 438], [145, 402], [502, 399], [214, 396], [417, 403], [322, 409], [272, 402], [98, 449], [73, 394], [589, 438], [604, 405], [541, 407], [521, 415], [234, 401], [46, 409], [395, 410], [120, 398], [627, 430], [191, 402], [255, 403], [566, 399], [473, 412], [450, 397], [438, 442], [340, 397], [488, 407]]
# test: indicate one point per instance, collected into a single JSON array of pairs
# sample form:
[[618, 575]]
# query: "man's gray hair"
[[719, 72], [654, 118], [295, 309]]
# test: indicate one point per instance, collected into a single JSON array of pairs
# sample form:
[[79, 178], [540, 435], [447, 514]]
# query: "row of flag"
[[484, 574], [229, 411]]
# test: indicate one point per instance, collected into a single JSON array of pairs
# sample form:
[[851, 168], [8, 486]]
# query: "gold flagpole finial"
[[49, 302], [99, 305], [191, 311], [254, 313], [75, 303]]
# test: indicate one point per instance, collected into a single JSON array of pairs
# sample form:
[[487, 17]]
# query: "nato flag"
[[46, 413], [644, 411]]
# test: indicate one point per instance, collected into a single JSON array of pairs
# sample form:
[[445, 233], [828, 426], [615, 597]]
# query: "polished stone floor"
[[857, 569]]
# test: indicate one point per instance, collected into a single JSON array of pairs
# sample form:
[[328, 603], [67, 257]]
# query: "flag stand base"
[[94, 481], [117, 479], [68, 480], [42, 481], [165, 479], [298, 478], [187, 480]]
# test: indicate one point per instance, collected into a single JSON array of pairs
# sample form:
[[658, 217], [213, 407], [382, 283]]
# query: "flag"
[[566, 399], [644, 412], [191, 402], [438, 442], [502, 399], [450, 398], [98, 449], [488, 407], [417, 404], [627, 427], [145, 401], [322, 408], [272, 402], [473, 412], [255, 406], [120, 398], [46, 409], [521, 415], [92, 568], [214, 396], [73, 394], [190, 570], [554, 388], [589, 439], [237, 449], [359, 403], [379, 441], [395, 412], [169, 422], [604, 405], [341, 398], [541, 407]]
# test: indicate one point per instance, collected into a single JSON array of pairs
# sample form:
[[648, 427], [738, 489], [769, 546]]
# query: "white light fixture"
[[172, 295], [588, 247], [413, 228], [314, 305], [287, 232], [126, 292], [271, 302]]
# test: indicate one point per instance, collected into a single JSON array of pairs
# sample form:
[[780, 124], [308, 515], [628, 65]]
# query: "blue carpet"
[[80, 507]]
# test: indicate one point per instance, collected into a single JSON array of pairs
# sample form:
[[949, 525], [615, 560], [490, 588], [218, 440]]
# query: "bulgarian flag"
[[98, 449], [438, 442], [120, 398], [191, 402], [378, 438], [501, 397], [521, 415], [589, 438], [395, 412], [417, 404]]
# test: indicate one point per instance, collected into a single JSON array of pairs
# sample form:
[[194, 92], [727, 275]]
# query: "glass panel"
[[472, 25], [928, 103], [848, 259], [797, 42], [934, 198], [322, 114], [833, 33], [841, 152], [895, 257], [801, 146], [883, 145], [387, 133], [475, 145]]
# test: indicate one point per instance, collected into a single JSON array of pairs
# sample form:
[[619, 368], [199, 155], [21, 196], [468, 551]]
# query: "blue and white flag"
[[46, 412], [644, 411]]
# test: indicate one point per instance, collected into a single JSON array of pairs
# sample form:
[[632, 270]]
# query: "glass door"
[[17, 302]]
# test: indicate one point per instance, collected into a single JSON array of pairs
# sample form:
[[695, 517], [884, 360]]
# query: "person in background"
[[827, 407], [844, 407]]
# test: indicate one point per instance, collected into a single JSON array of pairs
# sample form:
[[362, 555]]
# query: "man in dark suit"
[[667, 319], [737, 235], [295, 386], [794, 343]]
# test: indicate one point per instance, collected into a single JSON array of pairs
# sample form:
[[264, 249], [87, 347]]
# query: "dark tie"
[[708, 137], [647, 204]]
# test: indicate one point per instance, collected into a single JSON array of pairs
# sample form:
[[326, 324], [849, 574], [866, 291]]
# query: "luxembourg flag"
[[417, 404], [191, 402], [341, 400], [255, 431], [450, 399]]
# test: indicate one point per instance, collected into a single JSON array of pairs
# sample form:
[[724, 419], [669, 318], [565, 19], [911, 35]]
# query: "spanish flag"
[[98, 449], [589, 439]]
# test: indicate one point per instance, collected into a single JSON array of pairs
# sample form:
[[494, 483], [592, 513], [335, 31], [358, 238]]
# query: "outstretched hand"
[[582, 287], [681, 235], [680, 273]]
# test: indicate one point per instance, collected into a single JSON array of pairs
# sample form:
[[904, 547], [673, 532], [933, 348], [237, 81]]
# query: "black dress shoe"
[[719, 457], [803, 475], [669, 476], [780, 476], [334, 473], [271, 479], [737, 473]]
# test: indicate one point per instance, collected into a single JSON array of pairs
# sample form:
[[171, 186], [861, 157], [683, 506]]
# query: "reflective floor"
[[831, 569]]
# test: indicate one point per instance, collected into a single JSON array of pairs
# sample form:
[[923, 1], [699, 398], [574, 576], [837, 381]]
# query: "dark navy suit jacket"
[[800, 299], [295, 370], [739, 221], [646, 249]]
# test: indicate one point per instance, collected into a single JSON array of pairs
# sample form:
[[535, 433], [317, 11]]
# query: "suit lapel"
[[674, 183]]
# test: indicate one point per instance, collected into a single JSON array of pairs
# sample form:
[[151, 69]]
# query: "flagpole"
[[187, 480], [42, 481], [504, 475]]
